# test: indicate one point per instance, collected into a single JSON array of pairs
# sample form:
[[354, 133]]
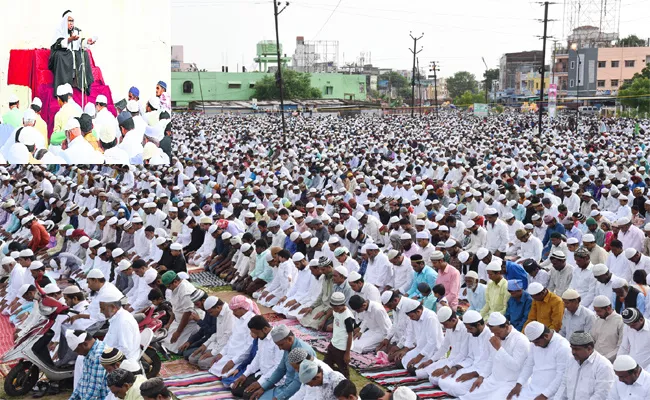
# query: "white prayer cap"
[[471, 274], [72, 289], [298, 256], [313, 242], [37, 102], [392, 254], [161, 240], [342, 270], [150, 276], [630, 252], [89, 109], [124, 265], [472, 317], [305, 235], [572, 240], [589, 238], [73, 340], [623, 221], [23, 289], [534, 330], [84, 239], [7, 260], [176, 246], [245, 247], [94, 243], [470, 224], [13, 98], [494, 266], [496, 319], [618, 283], [210, 302], [62, 90], [410, 305], [106, 134], [130, 366], [599, 269], [36, 265], [482, 253], [444, 313], [535, 288], [132, 106], [624, 363], [117, 252], [371, 246], [101, 251], [72, 124], [386, 296], [404, 393], [110, 294], [213, 228], [294, 236], [154, 102], [602, 301], [29, 115], [570, 294], [95, 274], [405, 236], [101, 99]]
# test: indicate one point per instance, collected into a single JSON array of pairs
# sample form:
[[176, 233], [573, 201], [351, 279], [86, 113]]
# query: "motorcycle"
[[32, 353]]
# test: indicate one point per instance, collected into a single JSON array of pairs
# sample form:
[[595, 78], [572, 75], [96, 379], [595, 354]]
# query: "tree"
[[491, 75], [297, 85], [645, 73], [468, 98], [395, 81], [637, 95], [461, 82], [632, 41]]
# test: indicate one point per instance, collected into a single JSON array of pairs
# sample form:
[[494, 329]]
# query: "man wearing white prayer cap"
[[576, 316], [89, 373], [510, 349], [375, 324], [588, 374], [607, 329], [458, 380], [424, 334], [77, 149], [544, 368], [320, 381], [123, 331], [283, 279], [633, 381]]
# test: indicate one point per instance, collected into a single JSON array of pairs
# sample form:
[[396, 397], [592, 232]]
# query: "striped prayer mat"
[[6, 341], [177, 367], [198, 386], [391, 378], [206, 279]]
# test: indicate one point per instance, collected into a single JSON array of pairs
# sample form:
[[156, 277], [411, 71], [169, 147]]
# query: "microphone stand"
[[83, 72]]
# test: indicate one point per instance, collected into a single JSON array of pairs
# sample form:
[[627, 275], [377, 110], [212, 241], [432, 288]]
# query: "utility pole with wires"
[[434, 66], [198, 71], [486, 80], [279, 75], [542, 69], [419, 85], [415, 51]]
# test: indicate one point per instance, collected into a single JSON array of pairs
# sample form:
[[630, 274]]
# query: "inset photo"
[[85, 82]]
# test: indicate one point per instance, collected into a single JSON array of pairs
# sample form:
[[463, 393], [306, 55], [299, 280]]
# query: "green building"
[[240, 86]]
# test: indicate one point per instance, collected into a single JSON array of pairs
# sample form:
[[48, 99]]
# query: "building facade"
[[513, 63], [240, 86]]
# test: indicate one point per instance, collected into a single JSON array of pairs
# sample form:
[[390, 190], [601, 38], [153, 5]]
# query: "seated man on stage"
[[66, 56]]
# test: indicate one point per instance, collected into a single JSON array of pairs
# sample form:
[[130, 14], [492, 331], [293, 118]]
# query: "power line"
[[328, 19]]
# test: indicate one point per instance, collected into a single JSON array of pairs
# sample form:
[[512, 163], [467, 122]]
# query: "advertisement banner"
[[480, 110], [552, 99]]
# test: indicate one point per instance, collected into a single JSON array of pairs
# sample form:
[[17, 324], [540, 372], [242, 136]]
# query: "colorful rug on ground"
[[6, 341], [392, 378], [177, 367], [206, 279], [198, 386]]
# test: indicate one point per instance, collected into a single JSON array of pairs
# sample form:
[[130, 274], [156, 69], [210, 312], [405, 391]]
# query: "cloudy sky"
[[456, 33]]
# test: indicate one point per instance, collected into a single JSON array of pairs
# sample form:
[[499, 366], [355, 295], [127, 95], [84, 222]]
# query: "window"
[[251, 85], [234, 85], [571, 83], [573, 64], [614, 64], [329, 90], [629, 63], [601, 83], [627, 81], [614, 83], [602, 64], [188, 87]]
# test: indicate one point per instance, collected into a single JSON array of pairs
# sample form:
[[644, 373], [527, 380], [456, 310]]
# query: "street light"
[[486, 80]]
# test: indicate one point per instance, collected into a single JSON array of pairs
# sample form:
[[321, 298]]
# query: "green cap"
[[168, 277], [591, 221]]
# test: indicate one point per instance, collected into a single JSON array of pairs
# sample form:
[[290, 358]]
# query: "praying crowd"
[[473, 253], [140, 134]]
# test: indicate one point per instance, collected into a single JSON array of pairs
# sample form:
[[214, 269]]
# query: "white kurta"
[[238, 346], [375, 324], [544, 369], [181, 304], [593, 379], [403, 276], [124, 334], [266, 359], [218, 340], [425, 334], [298, 290], [456, 344]]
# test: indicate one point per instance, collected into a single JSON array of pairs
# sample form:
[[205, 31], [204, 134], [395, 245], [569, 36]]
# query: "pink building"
[[617, 65]]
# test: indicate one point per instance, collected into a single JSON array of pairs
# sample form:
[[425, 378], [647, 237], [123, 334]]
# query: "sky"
[[457, 34]]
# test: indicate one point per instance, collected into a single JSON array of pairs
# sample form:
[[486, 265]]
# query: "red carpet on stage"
[[29, 68]]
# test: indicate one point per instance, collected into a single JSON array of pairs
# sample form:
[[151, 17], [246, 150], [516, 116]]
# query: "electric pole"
[[419, 85], [435, 86], [486, 80], [279, 76], [542, 69], [415, 52]]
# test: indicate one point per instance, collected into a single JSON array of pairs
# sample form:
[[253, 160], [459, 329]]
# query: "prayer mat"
[[194, 269], [392, 377], [6, 342], [306, 334], [177, 367], [206, 279], [198, 386], [357, 361]]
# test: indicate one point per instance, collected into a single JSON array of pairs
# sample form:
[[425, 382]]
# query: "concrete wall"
[[133, 47], [215, 86], [588, 67], [640, 55]]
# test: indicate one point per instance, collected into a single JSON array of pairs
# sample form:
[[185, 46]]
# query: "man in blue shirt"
[[422, 273], [518, 304], [515, 271], [286, 341], [551, 227]]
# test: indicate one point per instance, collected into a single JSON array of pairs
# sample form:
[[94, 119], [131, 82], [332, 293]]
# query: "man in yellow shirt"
[[547, 307], [40, 125], [496, 293], [68, 109]]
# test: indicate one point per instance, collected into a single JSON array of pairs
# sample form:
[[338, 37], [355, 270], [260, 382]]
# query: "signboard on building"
[[176, 65], [480, 110], [552, 99]]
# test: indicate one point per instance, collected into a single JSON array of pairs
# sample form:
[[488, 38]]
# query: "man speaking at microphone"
[[66, 56]]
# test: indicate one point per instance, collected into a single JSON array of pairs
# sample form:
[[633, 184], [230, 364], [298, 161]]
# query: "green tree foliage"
[[632, 41], [645, 73], [395, 80], [297, 85], [460, 83], [637, 95], [491, 75], [468, 98]]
